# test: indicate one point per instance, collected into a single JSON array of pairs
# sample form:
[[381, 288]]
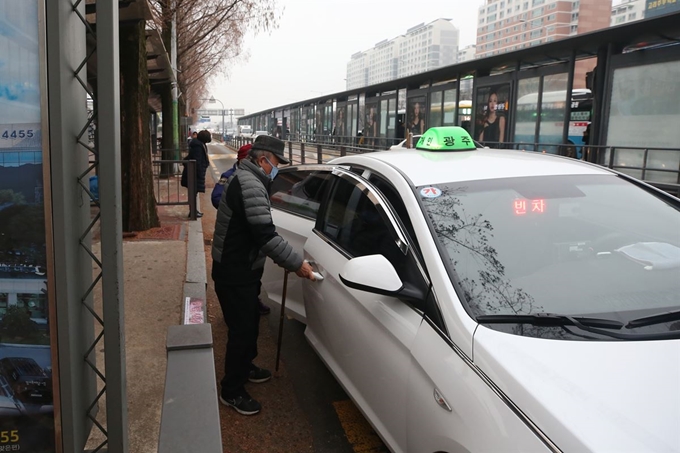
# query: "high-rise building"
[[628, 11], [467, 53], [507, 25], [422, 48]]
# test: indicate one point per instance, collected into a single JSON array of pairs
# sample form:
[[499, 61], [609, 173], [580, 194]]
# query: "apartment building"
[[508, 25], [628, 11], [421, 48], [467, 53]]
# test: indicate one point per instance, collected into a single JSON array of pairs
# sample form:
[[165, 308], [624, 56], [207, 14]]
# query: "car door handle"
[[317, 274]]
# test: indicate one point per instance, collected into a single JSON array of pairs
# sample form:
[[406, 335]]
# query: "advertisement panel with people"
[[491, 124]]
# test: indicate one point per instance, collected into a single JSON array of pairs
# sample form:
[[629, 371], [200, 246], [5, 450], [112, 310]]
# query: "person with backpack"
[[217, 191]]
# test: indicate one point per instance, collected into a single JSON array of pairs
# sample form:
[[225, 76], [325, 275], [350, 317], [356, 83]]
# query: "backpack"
[[216, 194]]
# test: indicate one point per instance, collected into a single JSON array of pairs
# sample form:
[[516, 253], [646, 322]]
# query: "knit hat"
[[271, 144], [243, 151]]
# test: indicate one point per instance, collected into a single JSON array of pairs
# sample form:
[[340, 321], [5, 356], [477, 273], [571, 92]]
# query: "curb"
[[196, 280], [194, 304]]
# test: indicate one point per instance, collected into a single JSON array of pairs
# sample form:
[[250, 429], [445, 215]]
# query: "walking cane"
[[283, 311]]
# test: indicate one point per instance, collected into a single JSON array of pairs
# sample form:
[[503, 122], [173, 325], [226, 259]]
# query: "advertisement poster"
[[416, 114], [371, 120], [26, 410], [340, 129], [491, 122]]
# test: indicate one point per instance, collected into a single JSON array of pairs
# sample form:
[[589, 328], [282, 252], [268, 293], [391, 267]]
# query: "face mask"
[[274, 171]]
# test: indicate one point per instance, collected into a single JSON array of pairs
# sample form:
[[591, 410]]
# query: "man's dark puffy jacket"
[[244, 231]]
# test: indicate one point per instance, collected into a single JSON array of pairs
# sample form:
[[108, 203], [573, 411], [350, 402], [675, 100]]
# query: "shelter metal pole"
[[108, 70]]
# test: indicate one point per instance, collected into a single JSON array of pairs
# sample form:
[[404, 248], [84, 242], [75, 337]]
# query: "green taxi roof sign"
[[446, 138]]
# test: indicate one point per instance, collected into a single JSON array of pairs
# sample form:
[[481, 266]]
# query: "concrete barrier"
[[190, 420]]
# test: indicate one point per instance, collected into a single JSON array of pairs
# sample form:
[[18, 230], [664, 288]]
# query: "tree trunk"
[[139, 202]]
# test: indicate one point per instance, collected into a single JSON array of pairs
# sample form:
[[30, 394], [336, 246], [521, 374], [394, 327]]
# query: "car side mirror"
[[375, 274], [372, 273]]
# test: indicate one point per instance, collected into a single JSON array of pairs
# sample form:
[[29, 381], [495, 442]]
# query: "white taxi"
[[481, 300]]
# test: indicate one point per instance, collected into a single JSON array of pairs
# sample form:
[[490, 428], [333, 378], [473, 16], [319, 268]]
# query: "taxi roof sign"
[[446, 138]]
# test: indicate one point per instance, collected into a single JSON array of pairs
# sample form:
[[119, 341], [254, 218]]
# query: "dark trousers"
[[240, 311]]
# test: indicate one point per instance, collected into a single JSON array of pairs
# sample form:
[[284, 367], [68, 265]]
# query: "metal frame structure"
[[82, 326]]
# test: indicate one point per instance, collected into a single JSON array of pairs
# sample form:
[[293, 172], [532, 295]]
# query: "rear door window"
[[299, 191]]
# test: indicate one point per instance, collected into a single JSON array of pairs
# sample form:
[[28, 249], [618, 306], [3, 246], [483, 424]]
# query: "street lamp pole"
[[212, 100]]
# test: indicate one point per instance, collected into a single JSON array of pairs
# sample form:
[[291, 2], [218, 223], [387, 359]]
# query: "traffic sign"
[[218, 112]]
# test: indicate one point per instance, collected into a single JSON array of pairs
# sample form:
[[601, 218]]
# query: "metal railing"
[[168, 190], [659, 167]]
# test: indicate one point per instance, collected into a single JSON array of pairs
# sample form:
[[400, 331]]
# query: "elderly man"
[[216, 196], [244, 236]]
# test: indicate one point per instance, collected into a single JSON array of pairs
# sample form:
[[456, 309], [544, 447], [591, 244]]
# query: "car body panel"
[[344, 321], [295, 229], [459, 386], [459, 324], [427, 167], [478, 420], [581, 392]]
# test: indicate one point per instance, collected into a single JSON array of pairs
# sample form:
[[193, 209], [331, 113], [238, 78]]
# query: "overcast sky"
[[307, 55]]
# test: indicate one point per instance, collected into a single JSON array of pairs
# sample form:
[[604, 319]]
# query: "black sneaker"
[[262, 308], [259, 375], [243, 404]]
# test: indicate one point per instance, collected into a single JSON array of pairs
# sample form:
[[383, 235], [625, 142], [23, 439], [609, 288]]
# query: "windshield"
[[571, 245]]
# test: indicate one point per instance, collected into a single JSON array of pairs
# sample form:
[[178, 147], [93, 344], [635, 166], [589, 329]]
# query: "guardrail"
[[659, 167], [167, 176]]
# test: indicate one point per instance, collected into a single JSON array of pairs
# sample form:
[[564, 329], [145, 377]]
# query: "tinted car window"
[[574, 245], [298, 192], [354, 223], [395, 200]]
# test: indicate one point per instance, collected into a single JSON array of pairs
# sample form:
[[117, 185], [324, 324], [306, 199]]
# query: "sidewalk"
[[154, 264], [162, 266]]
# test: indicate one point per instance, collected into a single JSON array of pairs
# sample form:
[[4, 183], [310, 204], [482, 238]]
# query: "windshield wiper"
[[550, 319], [593, 325], [654, 319]]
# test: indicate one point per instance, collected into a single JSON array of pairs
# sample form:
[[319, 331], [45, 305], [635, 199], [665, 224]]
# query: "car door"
[[295, 198], [363, 337]]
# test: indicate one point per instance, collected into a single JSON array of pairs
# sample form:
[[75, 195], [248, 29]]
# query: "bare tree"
[[210, 37]]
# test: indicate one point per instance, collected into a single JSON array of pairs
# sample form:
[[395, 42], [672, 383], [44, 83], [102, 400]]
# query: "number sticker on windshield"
[[430, 192]]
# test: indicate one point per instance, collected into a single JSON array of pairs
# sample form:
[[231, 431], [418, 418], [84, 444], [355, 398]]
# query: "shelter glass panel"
[[450, 109], [527, 111], [391, 118], [383, 118], [644, 112], [328, 120], [436, 109], [553, 106], [353, 116]]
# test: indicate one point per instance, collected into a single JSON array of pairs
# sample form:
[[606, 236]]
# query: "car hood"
[[604, 396]]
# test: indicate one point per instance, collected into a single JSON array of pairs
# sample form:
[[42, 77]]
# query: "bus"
[[553, 105]]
